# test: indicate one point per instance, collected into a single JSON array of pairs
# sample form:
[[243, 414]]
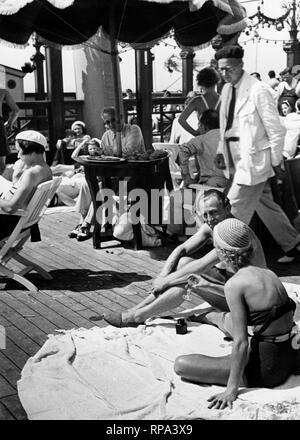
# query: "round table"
[[146, 175]]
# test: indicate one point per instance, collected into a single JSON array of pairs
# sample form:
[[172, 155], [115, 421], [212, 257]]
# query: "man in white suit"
[[250, 149]]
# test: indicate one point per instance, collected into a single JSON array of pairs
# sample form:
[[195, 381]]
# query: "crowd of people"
[[241, 138]]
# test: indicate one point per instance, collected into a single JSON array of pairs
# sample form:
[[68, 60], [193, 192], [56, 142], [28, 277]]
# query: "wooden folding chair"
[[11, 246]]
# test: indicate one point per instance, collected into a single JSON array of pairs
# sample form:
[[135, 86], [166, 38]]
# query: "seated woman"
[[207, 80], [30, 145], [72, 182], [66, 146], [83, 204], [254, 296]]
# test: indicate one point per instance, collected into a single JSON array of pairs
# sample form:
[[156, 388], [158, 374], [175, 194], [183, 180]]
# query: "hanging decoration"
[[290, 20], [172, 63], [260, 19]]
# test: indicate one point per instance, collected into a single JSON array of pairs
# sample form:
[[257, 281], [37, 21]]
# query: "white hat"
[[77, 123], [32, 136]]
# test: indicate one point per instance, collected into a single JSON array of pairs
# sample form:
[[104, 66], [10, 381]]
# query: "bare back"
[[24, 188], [261, 289], [39, 174], [209, 101]]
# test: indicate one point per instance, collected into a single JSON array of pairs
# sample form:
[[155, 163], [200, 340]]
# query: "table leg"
[[93, 184], [96, 235], [137, 237]]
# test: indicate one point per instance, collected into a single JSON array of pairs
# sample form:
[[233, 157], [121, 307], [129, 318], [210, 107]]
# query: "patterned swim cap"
[[232, 234]]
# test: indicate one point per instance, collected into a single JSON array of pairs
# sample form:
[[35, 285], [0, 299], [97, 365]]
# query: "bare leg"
[[60, 169], [203, 369], [212, 293], [148, 300], [67, 194], [182, 262], [222, 320], [169, 300]]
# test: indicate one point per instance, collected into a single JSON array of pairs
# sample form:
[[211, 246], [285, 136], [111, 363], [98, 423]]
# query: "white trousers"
[[245, 200]]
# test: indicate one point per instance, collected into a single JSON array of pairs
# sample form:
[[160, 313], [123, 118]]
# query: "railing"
[[164, 111], [36, 115]]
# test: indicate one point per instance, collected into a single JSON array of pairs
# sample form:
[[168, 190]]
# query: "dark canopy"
[[136, 21]]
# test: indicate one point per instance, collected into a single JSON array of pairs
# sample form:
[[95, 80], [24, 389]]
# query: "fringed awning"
[[72, 22], [194, 5], [8, 7]]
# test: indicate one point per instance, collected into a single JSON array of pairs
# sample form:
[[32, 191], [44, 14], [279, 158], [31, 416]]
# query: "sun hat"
[[233, 235], [77, 123], [32, 136]]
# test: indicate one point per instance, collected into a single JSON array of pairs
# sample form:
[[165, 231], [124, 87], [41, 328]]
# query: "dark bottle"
[[181, 327]]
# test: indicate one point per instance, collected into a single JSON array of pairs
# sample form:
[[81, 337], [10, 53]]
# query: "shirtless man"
[[6, 97], [169, 290]]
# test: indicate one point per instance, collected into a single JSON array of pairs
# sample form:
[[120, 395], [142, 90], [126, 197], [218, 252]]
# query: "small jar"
[[181, 327]]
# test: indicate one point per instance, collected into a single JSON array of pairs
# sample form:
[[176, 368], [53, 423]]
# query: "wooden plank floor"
[[86, 283]]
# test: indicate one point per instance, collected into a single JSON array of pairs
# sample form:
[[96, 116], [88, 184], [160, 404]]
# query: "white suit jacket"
[[260, 131]]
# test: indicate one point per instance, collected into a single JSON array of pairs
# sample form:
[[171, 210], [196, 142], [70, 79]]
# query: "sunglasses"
[[109, 121]]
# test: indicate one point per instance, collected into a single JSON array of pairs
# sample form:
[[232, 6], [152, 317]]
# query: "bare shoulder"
[[38, 174], [253, 277], [204, 230], [244, 278], [203, 233]]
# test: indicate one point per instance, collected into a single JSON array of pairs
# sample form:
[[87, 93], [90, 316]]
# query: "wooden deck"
[[86, 283]]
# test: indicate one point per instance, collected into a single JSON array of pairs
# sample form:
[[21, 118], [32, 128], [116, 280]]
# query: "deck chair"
[[11, 246], [175, 170]]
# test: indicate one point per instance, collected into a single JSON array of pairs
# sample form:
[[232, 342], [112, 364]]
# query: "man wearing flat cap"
[[250, 149]]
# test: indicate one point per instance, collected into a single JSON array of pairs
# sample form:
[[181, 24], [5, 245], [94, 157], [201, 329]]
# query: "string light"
[[260, 20]]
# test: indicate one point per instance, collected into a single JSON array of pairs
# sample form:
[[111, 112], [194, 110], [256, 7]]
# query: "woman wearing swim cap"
[[255, 297]]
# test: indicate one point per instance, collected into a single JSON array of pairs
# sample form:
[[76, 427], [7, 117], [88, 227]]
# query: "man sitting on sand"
[[169, 290]]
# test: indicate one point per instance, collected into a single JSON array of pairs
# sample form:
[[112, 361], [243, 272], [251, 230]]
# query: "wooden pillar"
[[144, 86], [187, 71], [55, 95], [38, 60]]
